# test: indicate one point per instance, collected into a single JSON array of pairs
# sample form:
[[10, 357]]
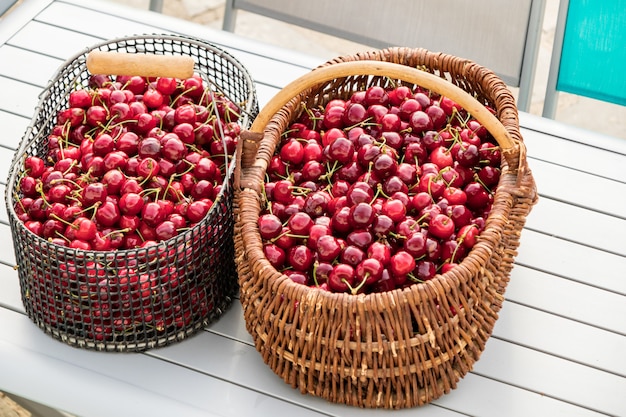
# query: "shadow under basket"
[[404, 347], [131, 299]]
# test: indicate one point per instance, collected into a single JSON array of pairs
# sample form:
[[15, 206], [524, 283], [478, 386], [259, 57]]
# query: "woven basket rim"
[[481, 251]]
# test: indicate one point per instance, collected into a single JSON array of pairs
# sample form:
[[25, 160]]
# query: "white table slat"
[[63, 52], [485, 397], [26, 65], [231, 326], [7, 253], [562, 337], [10, 289], [572, 134], [566, 298], [4, 216], [247, 369], [6, 156], [56, 16], [584, 157], [52, 40], [14, 126], [573, 261], [579, 188], [22, 104], [579, 225], [158, 386], [554, 377], [478, 388]]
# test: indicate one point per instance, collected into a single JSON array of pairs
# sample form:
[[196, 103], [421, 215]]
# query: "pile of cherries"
[[379, 191], [130, 162]]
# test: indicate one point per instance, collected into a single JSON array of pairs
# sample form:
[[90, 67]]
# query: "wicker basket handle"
[[402, 72], [250, 139], [145, 65]]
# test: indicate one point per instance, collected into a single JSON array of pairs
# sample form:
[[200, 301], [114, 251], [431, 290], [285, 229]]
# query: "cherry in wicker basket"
[[132, 299], [404, 347]]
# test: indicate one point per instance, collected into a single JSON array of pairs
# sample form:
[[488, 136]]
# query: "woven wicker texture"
[[396, 349], [80, 297]]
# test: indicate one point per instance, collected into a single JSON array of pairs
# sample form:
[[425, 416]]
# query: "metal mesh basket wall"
[[133, 299]]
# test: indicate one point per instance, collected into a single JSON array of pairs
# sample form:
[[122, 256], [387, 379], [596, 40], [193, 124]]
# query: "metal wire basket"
[[131, 299]]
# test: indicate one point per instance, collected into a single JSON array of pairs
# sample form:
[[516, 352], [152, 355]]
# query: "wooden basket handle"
[[397, 71], [145, 65]]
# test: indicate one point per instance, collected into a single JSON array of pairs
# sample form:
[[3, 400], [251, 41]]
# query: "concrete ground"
[[591, 114]]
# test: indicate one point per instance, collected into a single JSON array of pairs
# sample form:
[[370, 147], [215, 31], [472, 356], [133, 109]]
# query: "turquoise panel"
[[593, 61]]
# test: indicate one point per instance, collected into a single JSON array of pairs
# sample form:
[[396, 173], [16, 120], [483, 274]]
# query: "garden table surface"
[[558, 347]]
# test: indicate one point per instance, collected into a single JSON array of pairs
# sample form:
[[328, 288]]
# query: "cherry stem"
[[329, 172], [117, 232], [62, 236], [414, 278], [356, 289], [72, 225], [478, 180], [315, 265]]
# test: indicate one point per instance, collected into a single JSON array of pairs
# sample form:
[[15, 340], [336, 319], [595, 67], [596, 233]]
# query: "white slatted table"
[[558, 348]]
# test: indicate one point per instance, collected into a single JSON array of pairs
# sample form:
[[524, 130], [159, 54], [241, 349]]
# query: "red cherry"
[[149, 147], [173, 148], [441, 226], [341, 149], [131, 203], [468, 235], [165, 230], [113, 180], [300, 223], [459, 214], [360, 238], [79, 98], [416, 244], [84, 229], [317, 231], [152, 213], [34, 166], [93, 193], [394, 209], [275, 255], [148, 168], [361, 215], [352, 255], [341, 278], [270, 226], [197, 210], [477, 197], [425, 270], [205, 169], [420, 122], [108, 214], [300, 258], [402, 263], [153, 98], [328, 248], [369, 271], [292, 152], [166, 85]]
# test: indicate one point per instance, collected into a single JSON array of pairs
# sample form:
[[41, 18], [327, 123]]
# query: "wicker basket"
[[57, 283], [405, 347]]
